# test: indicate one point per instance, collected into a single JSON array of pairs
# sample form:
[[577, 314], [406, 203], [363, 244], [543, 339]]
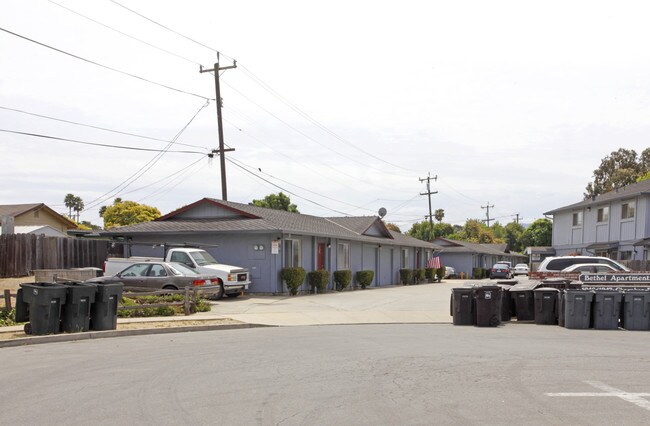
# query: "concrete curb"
[[73, 337]]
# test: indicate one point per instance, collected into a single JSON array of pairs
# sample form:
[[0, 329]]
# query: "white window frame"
[[292, 249], [603, 214], [576, 219], [628, 210], [343, 256], [404, 258]]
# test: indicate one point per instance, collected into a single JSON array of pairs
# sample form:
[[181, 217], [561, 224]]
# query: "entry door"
[[320, 258]]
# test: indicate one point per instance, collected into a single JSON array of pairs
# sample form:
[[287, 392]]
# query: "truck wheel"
[[219, 295]]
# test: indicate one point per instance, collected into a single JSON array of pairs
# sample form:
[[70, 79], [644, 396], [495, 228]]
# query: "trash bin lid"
[[547, 289], [524, 286]]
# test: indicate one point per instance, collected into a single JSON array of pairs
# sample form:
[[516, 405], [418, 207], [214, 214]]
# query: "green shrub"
[[419, 275], [478, 273], [364, 278], [318, 279], [342, 279], [294, 278], [7, 318], [430, 274], [406, 276], [440, 273], [201, 305]]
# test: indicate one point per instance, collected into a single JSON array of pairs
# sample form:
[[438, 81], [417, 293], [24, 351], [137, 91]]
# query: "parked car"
[[163, 275], [520, 269], [506, 262], [593, 268], [450, 272], [556, 264], [500, 270]]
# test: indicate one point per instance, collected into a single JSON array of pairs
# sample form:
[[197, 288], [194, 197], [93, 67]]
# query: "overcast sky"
[[344, 105]]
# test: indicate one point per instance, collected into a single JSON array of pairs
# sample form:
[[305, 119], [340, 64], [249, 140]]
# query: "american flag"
[[434, 262]]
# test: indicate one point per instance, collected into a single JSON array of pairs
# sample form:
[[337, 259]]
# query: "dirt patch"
[[14, 283]]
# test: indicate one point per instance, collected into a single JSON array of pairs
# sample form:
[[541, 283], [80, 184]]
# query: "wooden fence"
[[20, 254]]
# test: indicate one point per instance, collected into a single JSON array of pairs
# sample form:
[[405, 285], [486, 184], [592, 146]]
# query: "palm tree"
[[69, 201], [439, 214], [78, 206]]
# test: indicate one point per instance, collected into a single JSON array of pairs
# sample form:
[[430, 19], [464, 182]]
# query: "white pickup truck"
[[232, 279]]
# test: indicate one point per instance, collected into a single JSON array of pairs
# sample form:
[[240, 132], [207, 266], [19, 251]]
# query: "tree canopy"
[[123, 213], [393, 227], [618, 169], [538, 234], [72, 202], [278, 201]]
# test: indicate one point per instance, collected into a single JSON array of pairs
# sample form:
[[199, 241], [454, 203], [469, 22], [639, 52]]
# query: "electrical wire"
[[97, 127], [124, 34], [131, 148], [105, 66]]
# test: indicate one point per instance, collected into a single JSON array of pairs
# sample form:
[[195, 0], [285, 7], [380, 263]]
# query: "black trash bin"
[[45, 301], [636, 310], [577, 308], [546, 306], [606, 309], [103, 313], [507, 304], [462, 305], [75, 315], [487, 301], [561, 302], [22, 308], [524, 301]]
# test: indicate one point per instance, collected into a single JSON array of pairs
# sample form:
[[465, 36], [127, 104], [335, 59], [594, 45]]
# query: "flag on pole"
[[434, 262]]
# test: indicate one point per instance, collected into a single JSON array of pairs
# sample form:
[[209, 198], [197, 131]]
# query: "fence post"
[[195, 297], [7, 300], [187, 300]]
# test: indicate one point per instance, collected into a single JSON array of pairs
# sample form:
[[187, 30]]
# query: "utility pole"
[[487, 214], [517, 219], [428, 193], [222, 150]]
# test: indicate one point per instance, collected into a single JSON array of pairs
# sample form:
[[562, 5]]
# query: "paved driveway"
[[423, 303]]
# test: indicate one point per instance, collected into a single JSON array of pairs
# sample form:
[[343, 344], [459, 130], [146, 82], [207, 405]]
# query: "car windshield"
[[203, 258], [500, 265], [180, 269]]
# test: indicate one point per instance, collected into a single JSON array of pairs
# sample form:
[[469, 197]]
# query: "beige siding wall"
[[40, 217]]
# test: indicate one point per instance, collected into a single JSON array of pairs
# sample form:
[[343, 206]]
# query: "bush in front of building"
[[406, 276], [364, 278], [420, 275], [430, 274], [319, 279], [440, 273], [294, 278], [478, 273], [342, 279]]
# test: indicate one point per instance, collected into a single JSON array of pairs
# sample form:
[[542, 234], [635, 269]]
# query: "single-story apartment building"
[[464, 256], [264, 241]]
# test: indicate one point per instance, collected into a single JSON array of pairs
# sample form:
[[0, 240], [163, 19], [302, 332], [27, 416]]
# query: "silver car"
[[163, 275]]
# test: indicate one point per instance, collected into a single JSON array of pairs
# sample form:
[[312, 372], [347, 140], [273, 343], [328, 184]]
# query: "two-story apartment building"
[[615, 224]]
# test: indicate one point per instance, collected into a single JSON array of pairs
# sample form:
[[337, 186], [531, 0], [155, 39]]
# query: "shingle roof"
[[628, 191], [455, 246], [15, 210], [252, 218]]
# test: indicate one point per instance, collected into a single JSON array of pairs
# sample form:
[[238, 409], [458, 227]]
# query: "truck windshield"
[[203, 258]]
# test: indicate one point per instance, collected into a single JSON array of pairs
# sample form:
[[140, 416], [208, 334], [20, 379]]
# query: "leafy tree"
[[439, 214], [514, 233], [475, 231], [393, 227], [498, 231], [277, 202], [538, 234], [421, 231], [88, 226], [123, 213], [619, 168]]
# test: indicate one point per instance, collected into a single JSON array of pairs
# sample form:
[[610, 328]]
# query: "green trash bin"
[[103, 313], [524, 301], [487, 300], [45, 301], [75, 315], [22, 308], [546, 305]]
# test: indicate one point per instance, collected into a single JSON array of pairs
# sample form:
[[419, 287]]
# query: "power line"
[[104, 66], [98, 127], [36, 135], [124, 34]]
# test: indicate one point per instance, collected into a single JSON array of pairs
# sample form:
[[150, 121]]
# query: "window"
[[343, 256], [603, 214], [292, 254], [625, 255], [577, 219], [627, 210], [157, 271], [181, 257], [405, 258]]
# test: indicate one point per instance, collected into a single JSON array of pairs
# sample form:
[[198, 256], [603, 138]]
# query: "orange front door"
[[320, 259]]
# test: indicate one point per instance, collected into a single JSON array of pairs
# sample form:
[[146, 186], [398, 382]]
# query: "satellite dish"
[[382, 212]]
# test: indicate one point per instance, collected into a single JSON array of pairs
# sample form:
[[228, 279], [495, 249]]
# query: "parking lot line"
[[635, 398]]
